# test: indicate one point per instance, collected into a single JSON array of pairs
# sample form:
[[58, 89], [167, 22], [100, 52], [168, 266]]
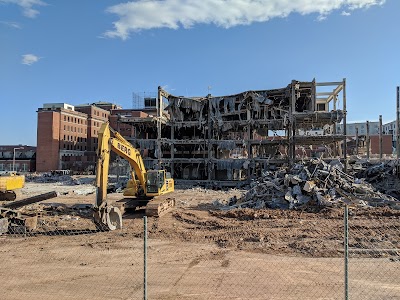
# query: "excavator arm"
[[110, 140]]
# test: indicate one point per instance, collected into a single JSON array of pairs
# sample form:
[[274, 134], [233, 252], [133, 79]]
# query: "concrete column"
[[249, 149], [159, 115], [344, 125], [356, 141], [172, 147], [209, 138]]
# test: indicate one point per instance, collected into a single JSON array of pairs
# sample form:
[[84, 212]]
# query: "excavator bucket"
[[108, 218]]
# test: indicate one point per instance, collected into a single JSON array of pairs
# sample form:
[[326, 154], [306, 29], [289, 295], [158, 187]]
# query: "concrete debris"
[[316, 183], [3, 225], [58, 179], [64, 212], [69, 218], [85, 191], [383, 176]]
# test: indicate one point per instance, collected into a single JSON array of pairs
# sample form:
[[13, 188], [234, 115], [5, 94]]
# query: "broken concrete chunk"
[[309, 186], [297, 190], [289, 197], [3, 225]]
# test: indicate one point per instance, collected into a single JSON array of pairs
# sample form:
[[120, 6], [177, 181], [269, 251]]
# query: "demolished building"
[[227, 141]]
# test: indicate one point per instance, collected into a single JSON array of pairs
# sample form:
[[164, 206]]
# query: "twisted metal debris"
[[315, 183]]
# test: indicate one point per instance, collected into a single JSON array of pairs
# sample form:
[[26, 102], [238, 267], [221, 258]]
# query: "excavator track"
[[8, 196], [159, 206]]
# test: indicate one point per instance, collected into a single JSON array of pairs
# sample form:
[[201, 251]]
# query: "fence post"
[[346, 252], [145, 258]]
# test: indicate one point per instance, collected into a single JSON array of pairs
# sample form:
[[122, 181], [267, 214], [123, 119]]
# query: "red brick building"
[[67, 136], [387, 146], [126, 129], [95, 117]]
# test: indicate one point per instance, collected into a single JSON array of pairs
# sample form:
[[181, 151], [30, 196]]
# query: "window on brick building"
[[65, 118]]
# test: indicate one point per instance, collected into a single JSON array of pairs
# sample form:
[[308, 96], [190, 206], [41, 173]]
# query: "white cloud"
[[140, 15], [11, 24], [346, 13], [27, 6], [29, 59]]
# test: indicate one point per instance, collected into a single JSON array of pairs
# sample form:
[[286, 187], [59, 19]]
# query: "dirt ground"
[[199, 252]]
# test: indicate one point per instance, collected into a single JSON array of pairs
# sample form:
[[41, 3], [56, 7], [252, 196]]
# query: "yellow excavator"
[[10, 184], [144, 184]]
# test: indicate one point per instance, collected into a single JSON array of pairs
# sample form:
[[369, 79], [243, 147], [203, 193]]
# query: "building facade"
[[229, 140], [67, 136], [390, 129], [351, 128], [24, 159]]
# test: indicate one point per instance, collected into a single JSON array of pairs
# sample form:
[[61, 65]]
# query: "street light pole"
[[13, 167]]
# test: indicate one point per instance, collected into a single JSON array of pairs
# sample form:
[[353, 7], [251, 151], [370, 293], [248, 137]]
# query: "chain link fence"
[[299, 257], [374, 254]]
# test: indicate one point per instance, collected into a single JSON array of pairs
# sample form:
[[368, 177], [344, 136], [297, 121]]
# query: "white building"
[[390, 128], [362, 128]]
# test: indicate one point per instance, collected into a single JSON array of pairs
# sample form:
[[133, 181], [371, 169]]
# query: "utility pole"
[[380, 138], [367, 140], [398, 124], [13, 165], [356, 141]]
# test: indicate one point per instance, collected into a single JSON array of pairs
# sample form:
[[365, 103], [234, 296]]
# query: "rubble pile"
[[382, 175], [316, 183]]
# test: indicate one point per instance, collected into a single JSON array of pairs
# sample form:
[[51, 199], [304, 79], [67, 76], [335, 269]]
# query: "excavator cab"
[[155, 182]]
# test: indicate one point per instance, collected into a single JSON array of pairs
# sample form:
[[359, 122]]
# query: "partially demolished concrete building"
[[228, 140]]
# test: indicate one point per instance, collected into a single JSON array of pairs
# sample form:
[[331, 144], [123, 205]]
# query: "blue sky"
[[86, 51]]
